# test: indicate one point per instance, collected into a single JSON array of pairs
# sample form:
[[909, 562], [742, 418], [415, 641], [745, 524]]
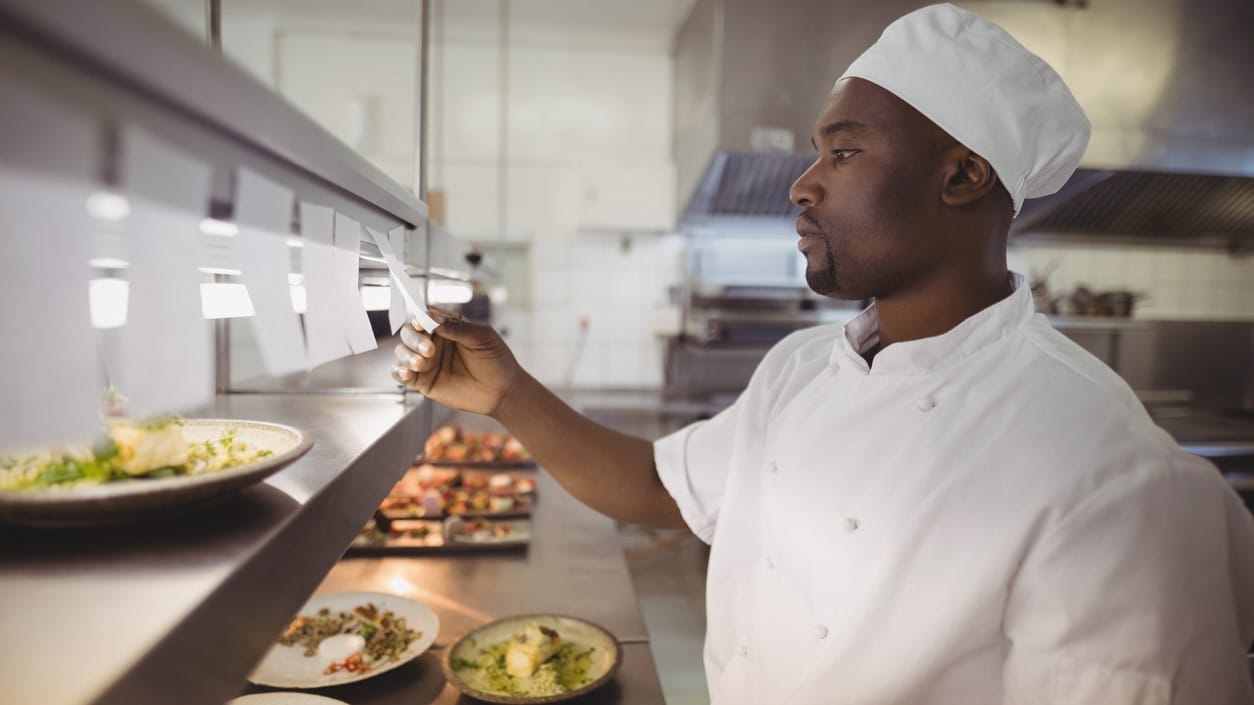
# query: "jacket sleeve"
[[696, 463], [1140, 594]]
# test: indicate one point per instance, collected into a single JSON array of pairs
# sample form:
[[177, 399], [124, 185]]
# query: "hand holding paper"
[[415, 302], [464, 365]]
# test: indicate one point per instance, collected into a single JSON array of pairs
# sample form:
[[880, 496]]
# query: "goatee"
[[823, 281]]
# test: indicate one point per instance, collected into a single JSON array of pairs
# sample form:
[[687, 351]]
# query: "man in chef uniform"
[[943, 501]]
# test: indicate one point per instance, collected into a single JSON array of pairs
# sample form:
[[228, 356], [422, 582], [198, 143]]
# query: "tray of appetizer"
[[450, 445], [433, 492], [453, 535]]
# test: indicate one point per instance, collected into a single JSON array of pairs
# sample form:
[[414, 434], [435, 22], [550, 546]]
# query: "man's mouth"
[[807, 228]]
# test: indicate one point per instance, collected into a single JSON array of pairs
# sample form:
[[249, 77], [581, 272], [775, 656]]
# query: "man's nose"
[[806, 190]]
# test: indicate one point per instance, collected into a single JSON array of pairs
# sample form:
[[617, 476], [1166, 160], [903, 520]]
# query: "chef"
[[943, 501]]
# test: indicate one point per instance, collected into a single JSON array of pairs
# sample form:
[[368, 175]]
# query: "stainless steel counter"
[[574, 566], [178, 610]]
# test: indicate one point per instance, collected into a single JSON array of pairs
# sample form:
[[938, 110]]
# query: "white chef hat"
[[986, 90]]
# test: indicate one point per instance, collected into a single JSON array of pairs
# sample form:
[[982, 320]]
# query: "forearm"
[[609, 471]]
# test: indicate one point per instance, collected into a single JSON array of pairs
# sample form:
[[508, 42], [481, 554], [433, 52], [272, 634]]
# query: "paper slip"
[[353, 316], [397, 315], [51, 380], [263, 210], [415, 302], [324, 335], [167, 348]]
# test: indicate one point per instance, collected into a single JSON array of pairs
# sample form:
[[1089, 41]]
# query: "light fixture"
[[221, 228], [107, 298], [221, 270], [222, 300], [376, 298], [299, 302], [106, 205], [108, 263], [441, 291]]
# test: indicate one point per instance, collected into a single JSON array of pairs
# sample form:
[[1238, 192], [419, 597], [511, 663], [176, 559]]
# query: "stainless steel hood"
[[1167, 84]]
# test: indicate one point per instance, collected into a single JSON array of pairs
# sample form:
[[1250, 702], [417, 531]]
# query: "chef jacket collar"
[[916, 357]]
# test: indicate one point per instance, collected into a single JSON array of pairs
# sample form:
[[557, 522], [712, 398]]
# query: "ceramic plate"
[[284, 699], [607, 656], [288, 667], [132, 499]]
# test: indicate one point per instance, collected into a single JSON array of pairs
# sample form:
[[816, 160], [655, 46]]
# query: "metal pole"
[[221, 349], [423, 89], [221, 326], [213, 23], [503, 160]]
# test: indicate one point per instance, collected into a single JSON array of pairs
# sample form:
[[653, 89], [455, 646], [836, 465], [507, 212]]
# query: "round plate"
[[288, 667], [131, 499], [609, 655], [284, 699]]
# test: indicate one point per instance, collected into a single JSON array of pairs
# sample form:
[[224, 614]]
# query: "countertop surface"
[[574, 566]]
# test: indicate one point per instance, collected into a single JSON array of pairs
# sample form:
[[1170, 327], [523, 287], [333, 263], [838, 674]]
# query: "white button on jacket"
[[1032, 538]]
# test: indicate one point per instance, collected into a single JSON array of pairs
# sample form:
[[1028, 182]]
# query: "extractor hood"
[[1166, 83]]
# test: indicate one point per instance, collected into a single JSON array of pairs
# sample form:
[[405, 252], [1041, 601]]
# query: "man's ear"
[[968, 177]]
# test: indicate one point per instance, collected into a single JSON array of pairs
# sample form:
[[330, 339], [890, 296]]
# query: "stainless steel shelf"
[[136, 53], [178, 610]]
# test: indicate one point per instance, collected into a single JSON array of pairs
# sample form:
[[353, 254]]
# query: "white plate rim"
[[291, 696], [417, 648]]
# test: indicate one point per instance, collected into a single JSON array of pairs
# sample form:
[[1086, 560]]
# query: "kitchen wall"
[[586, 206], [1179, 283], [588, 188]]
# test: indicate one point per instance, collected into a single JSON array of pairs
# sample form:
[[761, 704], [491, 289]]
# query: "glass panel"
[[350, 66]]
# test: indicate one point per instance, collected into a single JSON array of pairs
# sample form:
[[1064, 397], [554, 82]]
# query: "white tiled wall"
[[612, 289], [589, 153], [1177, 283], [589, 175]]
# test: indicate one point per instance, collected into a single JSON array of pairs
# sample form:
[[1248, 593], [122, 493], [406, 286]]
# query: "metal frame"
[[157, 64]]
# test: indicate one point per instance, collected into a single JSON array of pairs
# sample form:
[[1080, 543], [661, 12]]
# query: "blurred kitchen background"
[[623, 167]]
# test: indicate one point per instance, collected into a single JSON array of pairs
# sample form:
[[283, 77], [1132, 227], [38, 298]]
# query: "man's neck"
[[936, 306]]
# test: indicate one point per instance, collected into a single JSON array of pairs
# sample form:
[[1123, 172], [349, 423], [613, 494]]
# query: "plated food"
[[347, 637], [532, 659], [427, 491], [453, 445], [144, 469], [130, 450]]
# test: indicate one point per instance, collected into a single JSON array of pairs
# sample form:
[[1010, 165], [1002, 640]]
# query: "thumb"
[[457, 329]]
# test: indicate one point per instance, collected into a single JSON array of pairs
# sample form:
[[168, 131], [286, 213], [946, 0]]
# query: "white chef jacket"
[[986, 516]]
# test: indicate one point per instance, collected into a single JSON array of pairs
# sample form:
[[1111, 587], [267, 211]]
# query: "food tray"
[[481, 465], [437, 537], [430, 492], [459, 447]]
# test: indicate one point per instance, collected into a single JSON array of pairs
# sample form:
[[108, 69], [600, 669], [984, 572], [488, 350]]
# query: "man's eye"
[[843, 154]]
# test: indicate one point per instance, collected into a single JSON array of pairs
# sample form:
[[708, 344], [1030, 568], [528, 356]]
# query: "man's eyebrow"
[[832, 128]]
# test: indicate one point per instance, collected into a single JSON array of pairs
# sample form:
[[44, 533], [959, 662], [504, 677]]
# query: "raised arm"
[[469, 367]]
